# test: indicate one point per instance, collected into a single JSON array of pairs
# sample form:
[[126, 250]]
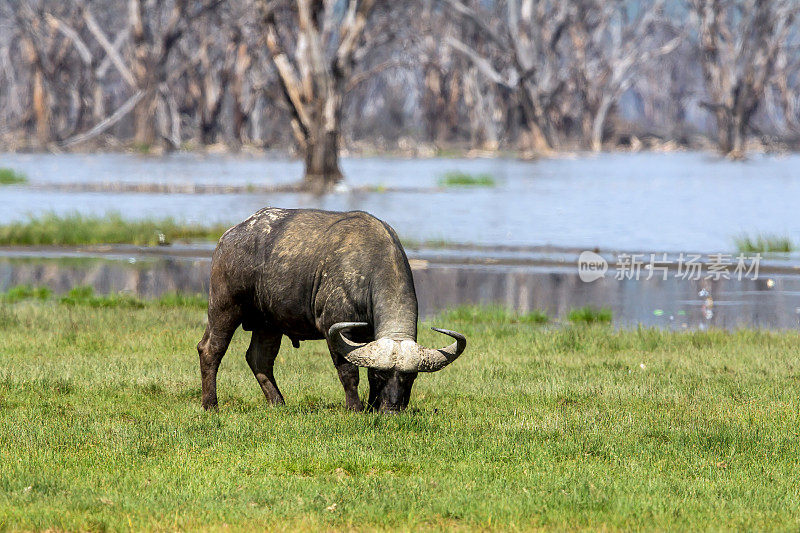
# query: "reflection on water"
[[771, 302], [658, 202]]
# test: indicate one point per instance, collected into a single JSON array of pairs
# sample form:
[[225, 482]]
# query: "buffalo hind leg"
[[222, 323], [264, 346]]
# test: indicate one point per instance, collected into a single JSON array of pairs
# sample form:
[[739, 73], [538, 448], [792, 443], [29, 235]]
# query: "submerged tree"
[[325, 38], [740, 42]]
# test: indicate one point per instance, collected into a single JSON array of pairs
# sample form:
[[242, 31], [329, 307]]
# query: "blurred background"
[[499, 138]]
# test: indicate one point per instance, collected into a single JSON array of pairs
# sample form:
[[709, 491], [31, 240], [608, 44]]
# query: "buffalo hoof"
[[356, 407]]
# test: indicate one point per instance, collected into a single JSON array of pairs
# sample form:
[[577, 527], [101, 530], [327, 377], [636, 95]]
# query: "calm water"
[[659, 202]]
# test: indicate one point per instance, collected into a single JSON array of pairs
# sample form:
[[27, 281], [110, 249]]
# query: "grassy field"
[[576, 427]]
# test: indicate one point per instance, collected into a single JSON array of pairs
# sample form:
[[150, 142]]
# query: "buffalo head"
[[393, 364]]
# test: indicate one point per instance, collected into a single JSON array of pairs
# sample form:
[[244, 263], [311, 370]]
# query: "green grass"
[[462, 179], [196, 301], [84, 295], [764, 244], [25, 292], [142, 148], [590, 315], [409, 242], [449, 153], [76, 229], [492, 315], [9, 176], [580, 427]]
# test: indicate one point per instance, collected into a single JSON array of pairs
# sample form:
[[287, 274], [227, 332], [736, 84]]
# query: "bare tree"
[[526, 58], [611, 40], [55, 83], [740, 41], [783, 96], [442, 75], [152, 44], [568, 62], [541, 74], [71, 54], [325, 42]]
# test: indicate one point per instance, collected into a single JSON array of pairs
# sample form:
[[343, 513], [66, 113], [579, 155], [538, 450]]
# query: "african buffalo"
[[311, 274]]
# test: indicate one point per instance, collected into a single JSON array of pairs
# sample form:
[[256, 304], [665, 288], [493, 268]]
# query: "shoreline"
[[643, 144]]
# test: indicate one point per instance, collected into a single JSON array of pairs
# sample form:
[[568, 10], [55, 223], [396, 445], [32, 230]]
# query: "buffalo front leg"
[[348, 375], [264, 346]]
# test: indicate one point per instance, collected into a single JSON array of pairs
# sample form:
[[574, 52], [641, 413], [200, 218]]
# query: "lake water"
[[655, 202]]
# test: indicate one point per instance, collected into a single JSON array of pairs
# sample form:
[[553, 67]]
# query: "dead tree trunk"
[[241, 108], [41, 101], [41, 107], [315, 79], [143, 64], [322, 157]]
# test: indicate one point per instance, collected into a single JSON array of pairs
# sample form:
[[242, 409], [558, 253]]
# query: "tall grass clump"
[[84, 296], [764, 243], [590, 315], [9, 176], [463, 179], [76, 229], [25, 292]]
